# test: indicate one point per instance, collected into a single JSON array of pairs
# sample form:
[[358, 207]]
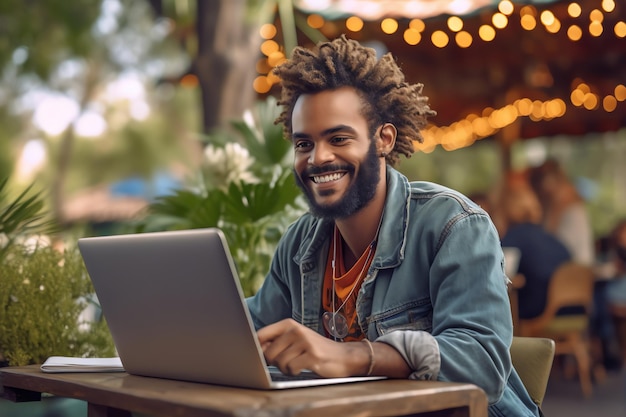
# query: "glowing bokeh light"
[[354, 24], [31, 160], [389, 25], [55, 113]]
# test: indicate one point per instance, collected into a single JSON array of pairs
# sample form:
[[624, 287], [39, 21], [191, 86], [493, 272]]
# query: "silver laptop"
[[175, 309]]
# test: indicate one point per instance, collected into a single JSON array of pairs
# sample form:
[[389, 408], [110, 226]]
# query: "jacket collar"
[[392, 235]]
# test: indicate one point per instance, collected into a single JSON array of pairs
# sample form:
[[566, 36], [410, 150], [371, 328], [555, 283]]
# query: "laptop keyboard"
[[276, 375]]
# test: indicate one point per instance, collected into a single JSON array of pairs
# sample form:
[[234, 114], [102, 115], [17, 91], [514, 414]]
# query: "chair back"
[[532, 359], [570, 285]]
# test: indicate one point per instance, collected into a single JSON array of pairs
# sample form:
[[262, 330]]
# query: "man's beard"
[[358, 194]]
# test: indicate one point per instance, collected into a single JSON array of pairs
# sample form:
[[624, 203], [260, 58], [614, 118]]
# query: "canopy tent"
[[552, 67], [377, 9]]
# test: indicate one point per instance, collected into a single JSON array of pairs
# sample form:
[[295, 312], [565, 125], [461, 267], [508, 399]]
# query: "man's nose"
[[321, 153]]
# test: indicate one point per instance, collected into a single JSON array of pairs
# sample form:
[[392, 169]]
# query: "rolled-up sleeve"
[[419, 349]]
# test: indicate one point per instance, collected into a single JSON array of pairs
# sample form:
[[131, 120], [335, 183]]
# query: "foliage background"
[[44, 292], [42, 295], [244, 186]]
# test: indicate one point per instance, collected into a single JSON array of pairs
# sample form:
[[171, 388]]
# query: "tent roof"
[[517, 64]]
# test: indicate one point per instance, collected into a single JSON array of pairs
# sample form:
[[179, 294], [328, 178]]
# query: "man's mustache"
[[326, 169]]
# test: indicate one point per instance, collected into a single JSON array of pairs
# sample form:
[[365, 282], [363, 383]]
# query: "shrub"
[[43, 291], [245, 187], [42, 295]]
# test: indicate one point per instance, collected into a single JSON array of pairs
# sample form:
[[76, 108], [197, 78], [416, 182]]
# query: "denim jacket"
[[435, 291]]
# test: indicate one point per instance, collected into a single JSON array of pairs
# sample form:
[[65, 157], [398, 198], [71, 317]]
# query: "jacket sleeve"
[[425, 361], [471, 312]]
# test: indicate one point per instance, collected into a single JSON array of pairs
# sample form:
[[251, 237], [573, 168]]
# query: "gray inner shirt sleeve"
[[419, 349]]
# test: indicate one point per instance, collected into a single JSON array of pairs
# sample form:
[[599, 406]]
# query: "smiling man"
[[383, 276]]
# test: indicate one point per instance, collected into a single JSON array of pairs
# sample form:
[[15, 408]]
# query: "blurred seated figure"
[[482, 199], [605, 347], [487, 201], [540, 252], [564, 212], [616, 287]]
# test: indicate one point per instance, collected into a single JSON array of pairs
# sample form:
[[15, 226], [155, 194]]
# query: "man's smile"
[[321, 179]]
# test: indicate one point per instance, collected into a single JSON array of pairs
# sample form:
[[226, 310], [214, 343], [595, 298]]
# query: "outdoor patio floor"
[[564, 397]]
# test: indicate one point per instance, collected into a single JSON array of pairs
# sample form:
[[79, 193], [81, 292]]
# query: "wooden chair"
[[570, 285], [618, 315], [532, 358]]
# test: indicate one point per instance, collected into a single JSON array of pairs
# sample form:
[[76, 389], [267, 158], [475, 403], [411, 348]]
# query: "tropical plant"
[[245, 187], [22, 216], [43, 291]]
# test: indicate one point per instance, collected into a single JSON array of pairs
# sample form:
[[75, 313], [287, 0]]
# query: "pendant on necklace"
[[335, 324]]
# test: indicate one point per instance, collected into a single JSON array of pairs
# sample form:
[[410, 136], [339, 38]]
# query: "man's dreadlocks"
[[386, 96]]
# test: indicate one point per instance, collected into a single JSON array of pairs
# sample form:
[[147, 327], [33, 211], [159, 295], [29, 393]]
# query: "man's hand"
[[293, 347]]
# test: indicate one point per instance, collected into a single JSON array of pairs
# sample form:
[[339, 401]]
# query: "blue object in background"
[[162, 183], [587, 188]]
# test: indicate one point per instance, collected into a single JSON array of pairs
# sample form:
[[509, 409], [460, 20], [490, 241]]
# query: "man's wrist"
[[370, 354]]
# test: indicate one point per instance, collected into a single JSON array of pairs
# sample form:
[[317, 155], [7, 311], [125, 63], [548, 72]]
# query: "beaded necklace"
[[335, 322]]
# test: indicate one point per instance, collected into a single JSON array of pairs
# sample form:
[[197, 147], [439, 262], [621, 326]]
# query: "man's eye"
[[339, 139], [301, 145]]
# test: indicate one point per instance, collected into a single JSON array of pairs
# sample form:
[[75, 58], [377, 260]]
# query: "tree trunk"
[[67, 144], [228, 48]]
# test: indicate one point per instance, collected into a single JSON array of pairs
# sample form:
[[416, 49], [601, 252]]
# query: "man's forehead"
[[341, 93], [333, 104]]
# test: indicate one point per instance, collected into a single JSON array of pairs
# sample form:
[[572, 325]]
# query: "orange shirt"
[[347, 285]]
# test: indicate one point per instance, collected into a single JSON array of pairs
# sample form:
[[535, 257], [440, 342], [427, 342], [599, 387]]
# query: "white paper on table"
[[56, 364]]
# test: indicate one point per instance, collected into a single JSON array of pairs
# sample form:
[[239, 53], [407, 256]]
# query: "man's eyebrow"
[[326, 132]]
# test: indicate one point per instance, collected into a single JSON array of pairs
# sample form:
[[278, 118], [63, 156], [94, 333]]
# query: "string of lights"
[[581, 21]]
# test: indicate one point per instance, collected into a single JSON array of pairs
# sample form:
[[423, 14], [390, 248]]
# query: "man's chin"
[[335, 210], [324, 194], [318, 209]]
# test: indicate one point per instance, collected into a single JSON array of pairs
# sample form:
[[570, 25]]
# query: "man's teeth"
[[320, 179]]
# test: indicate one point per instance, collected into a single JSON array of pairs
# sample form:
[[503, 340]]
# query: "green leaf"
[[265, 142], [246, 202], [23, 215]]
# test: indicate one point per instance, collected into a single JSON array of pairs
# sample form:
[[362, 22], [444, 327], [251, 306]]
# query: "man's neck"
[[359, 230]]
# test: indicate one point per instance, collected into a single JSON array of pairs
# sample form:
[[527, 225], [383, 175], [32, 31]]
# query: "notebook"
[[175, 309], [62, 364]]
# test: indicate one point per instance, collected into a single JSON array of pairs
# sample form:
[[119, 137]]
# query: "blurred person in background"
[[564, 212], [487, 201], [616, 287], [541, 252]]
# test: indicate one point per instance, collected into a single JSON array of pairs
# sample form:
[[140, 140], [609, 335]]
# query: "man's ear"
[[387, 138]]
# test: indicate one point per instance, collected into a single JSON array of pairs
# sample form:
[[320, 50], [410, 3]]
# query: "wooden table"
[[119, 394]]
